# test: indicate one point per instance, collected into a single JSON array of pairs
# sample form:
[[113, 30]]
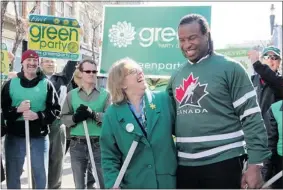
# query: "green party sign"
[[147, 34], [54, 37], [4, 70]]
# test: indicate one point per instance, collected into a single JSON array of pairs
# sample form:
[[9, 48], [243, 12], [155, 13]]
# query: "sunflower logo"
[[56, 21], [122, 34], [65, 22], [75, 23], [73, 47]]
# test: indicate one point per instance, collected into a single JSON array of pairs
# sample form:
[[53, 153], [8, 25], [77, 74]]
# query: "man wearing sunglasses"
[[267, 81], [269, 86], [85, 103]]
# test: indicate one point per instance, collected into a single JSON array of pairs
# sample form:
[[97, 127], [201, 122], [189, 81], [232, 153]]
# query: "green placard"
[[147, 34]]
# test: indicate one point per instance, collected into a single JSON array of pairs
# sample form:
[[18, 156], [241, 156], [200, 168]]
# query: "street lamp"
[[272, 18]]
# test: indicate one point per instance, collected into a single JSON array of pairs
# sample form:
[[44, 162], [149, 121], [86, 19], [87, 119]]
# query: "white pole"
[[94, 171], [125, 164], [28, 154], [272, 180]]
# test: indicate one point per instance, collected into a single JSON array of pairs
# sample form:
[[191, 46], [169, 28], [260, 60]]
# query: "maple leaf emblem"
[[190, 92]]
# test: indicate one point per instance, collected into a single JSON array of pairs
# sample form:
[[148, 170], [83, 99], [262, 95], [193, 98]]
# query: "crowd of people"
[[221, 120]]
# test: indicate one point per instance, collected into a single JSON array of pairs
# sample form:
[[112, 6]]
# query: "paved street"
[[67, 181]]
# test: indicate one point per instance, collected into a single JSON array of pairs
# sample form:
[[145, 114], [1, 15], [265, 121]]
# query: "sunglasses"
[[89, 71], [272, 57]]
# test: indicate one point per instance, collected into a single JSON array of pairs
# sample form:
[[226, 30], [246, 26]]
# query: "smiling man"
[[85, 103], [29, 96], [267, 81], [217, 115]]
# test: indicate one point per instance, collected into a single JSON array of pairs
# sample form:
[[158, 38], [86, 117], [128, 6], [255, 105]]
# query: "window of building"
[[84, 25], [68, 9], [59, 8], [45, 8]]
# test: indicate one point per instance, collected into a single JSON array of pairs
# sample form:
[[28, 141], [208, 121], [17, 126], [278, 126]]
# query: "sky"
[[236, 22]]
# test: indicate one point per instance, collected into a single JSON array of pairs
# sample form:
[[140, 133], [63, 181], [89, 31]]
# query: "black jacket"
[[63, 78], [58, 80], [38, 127], [268, 85], [274, 164]]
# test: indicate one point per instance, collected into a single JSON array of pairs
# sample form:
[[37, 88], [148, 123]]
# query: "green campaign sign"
[[147, 34], [54, 37]]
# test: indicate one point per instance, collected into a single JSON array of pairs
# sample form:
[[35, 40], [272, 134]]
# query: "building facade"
[[89, 14]]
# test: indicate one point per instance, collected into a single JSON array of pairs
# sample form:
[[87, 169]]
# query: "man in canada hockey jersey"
[[217, 115]]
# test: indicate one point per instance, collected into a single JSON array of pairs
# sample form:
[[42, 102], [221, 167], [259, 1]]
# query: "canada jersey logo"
[[190, 92]]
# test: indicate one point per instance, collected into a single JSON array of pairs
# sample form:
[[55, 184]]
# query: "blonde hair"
[[77, 77], [116, 75]]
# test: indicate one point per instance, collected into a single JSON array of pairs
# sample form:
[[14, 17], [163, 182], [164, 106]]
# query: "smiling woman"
[[135, 116], [126, 77]]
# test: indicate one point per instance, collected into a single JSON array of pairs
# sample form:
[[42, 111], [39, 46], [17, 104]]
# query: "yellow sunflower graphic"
[[65, 22], [56, 21], [75, 23]]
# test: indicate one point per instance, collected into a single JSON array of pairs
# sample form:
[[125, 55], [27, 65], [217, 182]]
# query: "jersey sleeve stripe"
[[210, 137], [250, 112], [244, 98], [211, 151]]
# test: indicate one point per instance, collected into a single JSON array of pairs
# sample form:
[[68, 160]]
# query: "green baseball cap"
[[273, 49]]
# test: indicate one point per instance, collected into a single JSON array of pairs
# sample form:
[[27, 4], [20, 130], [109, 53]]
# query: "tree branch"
[[20, 29], [34, 8], [3, 11], [94, 27]]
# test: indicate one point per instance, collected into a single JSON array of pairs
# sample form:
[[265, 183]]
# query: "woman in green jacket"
[[137, 113]]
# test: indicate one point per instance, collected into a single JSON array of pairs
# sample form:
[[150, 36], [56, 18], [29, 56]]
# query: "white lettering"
[[160, 66], [148, 36], [168, 32], [191, 111]]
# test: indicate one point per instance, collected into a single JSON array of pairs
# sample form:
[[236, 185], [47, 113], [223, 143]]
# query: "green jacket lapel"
[[152, 111], [129, 123]]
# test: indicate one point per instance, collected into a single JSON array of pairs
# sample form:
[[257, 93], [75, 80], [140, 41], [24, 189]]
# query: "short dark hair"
[[80, 66], [204, 26]]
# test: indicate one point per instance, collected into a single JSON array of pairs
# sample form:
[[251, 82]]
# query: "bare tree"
[[21, 28], [4, 5], [92, 18]]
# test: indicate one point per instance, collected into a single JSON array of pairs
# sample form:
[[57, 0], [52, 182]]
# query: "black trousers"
[[278, 163], [222, 175]]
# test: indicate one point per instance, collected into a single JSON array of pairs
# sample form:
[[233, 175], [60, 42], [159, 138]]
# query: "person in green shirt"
[[217, 115], [85, 103], [29, 96], [141, 115], [274, 124]]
